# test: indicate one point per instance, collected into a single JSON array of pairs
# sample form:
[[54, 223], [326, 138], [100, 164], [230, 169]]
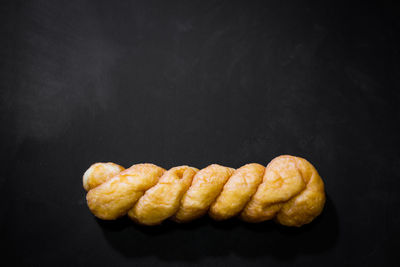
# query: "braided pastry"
[[288, 190]]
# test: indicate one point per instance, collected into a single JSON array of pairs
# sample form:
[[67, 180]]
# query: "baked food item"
[[289, 190]]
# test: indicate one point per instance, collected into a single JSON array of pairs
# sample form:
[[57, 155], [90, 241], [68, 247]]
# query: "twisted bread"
[[288, 190]]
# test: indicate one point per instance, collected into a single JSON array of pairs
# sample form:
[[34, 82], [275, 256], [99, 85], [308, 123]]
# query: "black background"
[[198, 82]]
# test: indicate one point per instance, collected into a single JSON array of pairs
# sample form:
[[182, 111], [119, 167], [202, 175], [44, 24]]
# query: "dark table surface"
[[198, 82]]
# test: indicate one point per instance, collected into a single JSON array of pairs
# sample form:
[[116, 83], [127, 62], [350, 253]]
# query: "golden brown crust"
[[163, 200], [289, 190], [292, 192], [99, 173], [205, 188], [116, 196], [237, 191]]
